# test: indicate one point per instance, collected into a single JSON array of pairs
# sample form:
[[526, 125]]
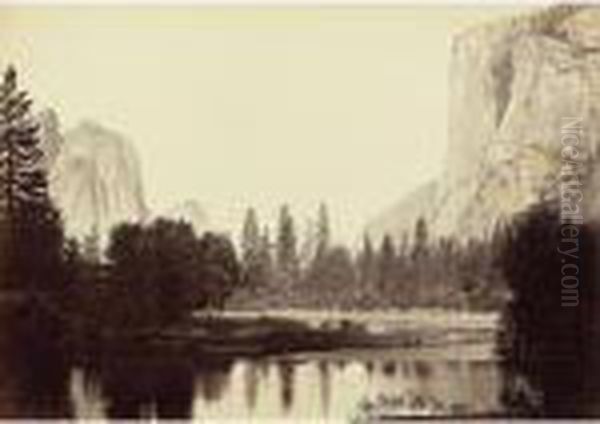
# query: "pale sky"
[[238, 107]]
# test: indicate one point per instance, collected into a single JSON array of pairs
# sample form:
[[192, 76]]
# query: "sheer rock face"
[[513, 87], [96, 181], [51, 140]]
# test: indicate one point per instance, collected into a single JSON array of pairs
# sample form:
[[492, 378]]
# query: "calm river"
[[312, 387], [455, 379]]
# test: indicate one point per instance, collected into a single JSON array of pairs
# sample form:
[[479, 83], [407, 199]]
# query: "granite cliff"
[[95, 180], [513, 86]]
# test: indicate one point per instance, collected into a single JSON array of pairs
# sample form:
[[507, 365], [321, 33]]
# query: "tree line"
[[315, 272]]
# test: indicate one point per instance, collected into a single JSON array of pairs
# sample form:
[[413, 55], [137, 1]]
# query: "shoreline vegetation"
[[277, 332]]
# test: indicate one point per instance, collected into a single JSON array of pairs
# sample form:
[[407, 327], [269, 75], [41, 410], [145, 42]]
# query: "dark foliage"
[[548, 342], [426, 272], [154, 276], [33, 266], [30, 229]]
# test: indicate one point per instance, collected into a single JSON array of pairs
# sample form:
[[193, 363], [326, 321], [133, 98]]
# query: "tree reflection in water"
[[389, 369], [325, 386], [286, 370], [145, 386], [423, 370], [155, 385], [251, 384], [369, 368], [34, 370], [213, 376], [158, 383]]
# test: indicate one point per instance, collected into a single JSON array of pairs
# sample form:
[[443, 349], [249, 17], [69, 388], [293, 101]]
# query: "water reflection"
[[212, 378], [34, 371], [284, 388], [389, 369], [286, 371], [135, 387], [321, 386], [251, 382], [325, 385]]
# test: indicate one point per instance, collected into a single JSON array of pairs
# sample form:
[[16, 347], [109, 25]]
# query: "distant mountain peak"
[[51, 138], [96, 180]]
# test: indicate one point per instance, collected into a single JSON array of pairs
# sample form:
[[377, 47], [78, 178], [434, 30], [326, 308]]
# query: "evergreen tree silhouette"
[[323, 231], [251, 245], [287, 256], [31, 230]]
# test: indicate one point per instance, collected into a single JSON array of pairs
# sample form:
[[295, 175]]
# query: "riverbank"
[[280, 332]]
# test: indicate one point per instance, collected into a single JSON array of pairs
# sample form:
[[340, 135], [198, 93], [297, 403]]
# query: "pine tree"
[[421, 239], [250, 237], [251, 245], [386, 263], [265, 258], [31, 226], [308, 246], [323, 231], [287, 257]]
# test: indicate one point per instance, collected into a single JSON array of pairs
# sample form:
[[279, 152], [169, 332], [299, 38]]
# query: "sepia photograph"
[[299, 214]]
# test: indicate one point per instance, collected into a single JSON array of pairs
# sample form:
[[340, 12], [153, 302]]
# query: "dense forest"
[[419, 271]]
